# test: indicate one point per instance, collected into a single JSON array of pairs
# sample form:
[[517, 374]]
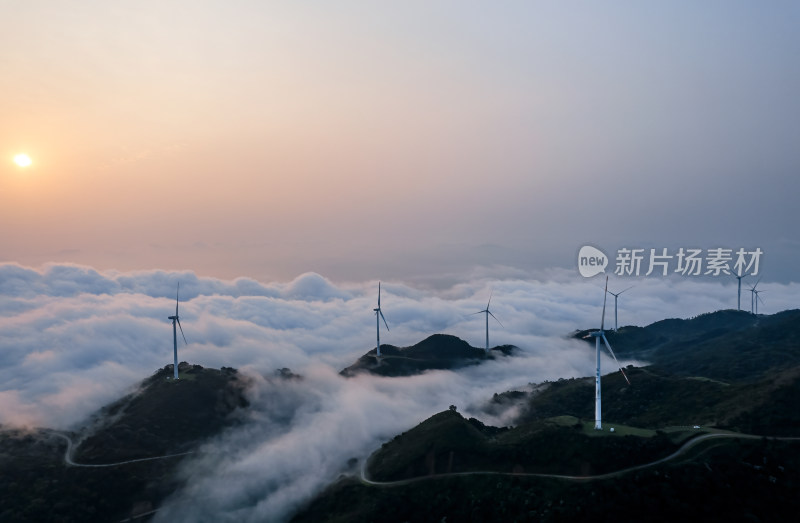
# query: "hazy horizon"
[[76, 338], [412, 141]]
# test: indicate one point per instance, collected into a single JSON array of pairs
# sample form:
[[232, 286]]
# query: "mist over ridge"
[[76, 339]]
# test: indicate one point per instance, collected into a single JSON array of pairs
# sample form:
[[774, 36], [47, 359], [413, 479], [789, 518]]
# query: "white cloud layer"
[[75, 339]]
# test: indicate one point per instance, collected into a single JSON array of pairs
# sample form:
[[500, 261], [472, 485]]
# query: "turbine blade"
[[384, 319], [605, 296], [181, 328], [756, 285], [495, 318], [379, 295], [490, 299], [629, 288], [177, 293], [608, 346]]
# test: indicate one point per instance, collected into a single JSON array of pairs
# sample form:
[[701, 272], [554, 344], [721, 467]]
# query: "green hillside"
[[724, 481], [726, 345], [447, 443], [162, 417], [657, 401], [165, 416], [727, 370], [439, 351]]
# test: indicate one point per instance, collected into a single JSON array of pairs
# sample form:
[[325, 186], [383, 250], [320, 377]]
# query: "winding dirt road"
[[68, 455], [681, 450]]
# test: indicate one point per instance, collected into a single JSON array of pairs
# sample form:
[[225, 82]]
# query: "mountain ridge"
[[436, 352], [751, 386]]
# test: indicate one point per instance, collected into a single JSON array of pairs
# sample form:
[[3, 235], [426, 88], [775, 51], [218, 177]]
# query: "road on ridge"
[[681, 450], [68, 455]]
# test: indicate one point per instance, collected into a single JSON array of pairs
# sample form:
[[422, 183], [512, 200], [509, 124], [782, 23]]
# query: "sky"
[[412, 141], [279, 159]]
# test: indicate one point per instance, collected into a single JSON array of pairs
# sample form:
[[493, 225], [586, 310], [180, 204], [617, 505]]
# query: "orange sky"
[[248, 139]]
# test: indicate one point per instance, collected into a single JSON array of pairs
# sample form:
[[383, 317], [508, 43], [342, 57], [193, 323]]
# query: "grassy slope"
[[163, 417]]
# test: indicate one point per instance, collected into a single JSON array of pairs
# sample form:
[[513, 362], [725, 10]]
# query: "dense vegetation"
[[729, 370], [36, 485], [725, 481], [657, 401], [730, 345], [439, 351], [448, 443], [163, 416]]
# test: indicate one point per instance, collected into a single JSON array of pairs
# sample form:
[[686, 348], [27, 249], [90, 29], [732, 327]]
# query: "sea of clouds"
[[74, 339]]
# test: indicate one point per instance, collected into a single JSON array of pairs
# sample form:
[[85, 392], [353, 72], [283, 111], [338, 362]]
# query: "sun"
[[23, 160]]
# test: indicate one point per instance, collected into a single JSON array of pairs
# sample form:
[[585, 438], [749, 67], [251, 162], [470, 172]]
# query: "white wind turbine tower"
[[378, 317], [739, 294], [597, 335], [758, 298], [754, 297], [615, 304], [488, 313], [176, 320]]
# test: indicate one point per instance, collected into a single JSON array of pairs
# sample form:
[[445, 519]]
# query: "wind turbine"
[[615, 304], [597, 335], [754, 298], [378, 317], [488, 313], [176, 320], [739, 294], [758, 298]]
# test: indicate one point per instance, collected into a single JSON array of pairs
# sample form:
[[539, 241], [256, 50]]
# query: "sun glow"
[[22, 160]]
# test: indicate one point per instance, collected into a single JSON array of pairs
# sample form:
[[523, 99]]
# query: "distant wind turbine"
[[754, 297], [615, 304], [739, 294], [176, 320], [757, 299], [597, 335], [488, 313], [378, 317]]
